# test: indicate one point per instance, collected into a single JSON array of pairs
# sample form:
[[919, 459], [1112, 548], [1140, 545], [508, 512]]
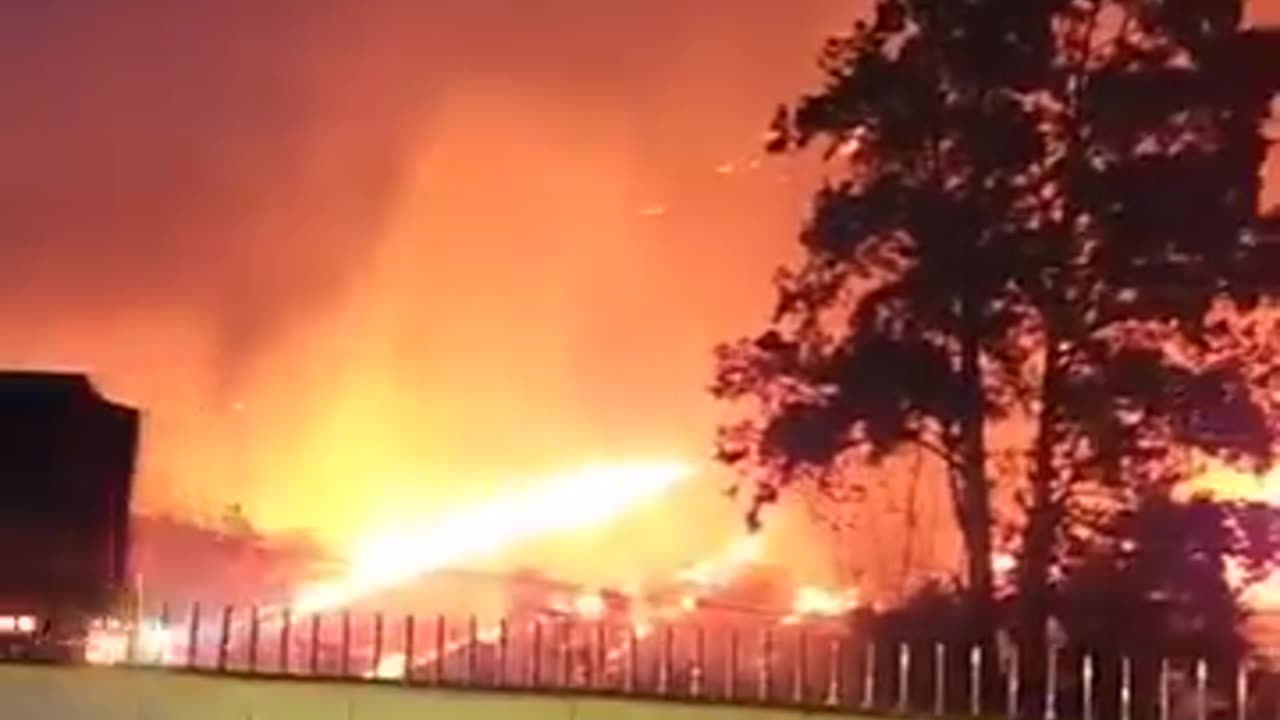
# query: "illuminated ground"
[[32, 693]]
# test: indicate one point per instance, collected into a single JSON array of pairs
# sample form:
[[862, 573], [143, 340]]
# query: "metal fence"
[[802, 666]]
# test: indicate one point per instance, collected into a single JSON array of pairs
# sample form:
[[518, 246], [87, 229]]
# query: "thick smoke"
[[358, 259]]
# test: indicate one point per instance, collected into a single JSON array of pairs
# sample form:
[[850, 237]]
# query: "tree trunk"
[[981, 590], [1034, 601], [1034, 591], [974, 501]]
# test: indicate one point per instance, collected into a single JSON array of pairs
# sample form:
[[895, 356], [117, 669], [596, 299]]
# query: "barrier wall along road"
[[802, 666]]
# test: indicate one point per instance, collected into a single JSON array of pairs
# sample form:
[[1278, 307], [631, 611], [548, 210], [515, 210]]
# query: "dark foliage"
[[1161, 583], [1038, 213], [1159, 590]]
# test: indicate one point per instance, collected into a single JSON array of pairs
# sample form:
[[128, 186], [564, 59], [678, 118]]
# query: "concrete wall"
[[35, 693]]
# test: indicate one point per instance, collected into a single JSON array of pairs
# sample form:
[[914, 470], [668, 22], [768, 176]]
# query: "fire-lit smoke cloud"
[[582, 500], [362, 260]]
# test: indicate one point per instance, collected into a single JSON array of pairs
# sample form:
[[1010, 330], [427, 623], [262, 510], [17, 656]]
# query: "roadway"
[[89, 693]]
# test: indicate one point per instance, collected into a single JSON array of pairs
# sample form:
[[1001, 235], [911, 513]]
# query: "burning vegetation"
[[423, 573]]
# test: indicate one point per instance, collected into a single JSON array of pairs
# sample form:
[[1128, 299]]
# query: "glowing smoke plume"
[[587, 498]]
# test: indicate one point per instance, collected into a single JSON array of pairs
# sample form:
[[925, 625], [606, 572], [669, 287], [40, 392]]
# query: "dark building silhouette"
[[67, 459]]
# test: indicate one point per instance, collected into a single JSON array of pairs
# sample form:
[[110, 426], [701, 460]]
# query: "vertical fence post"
[[633, 659], [1242, 690], [600, 658], [1202, 689], [224, 638], [764, 686], [632, 674], [869, 677], [904, 676], [132, 633], [441, 648], [664, 671], [1163, 682], [570, 671], [731, 672], [286, 630], [535, 666], [1013, 683], [477, 642], [1086, 686], [975, 680], [595, 655], [835, 689], [800, 681], [504, 644], [165, 621], [193, 636], [561, 674], [1126, 688], [473, 640], [255, 629], [410, 638], [344, 662], [377, 646], [939, 678], [699, 659], [313, 647], [1051, 683]]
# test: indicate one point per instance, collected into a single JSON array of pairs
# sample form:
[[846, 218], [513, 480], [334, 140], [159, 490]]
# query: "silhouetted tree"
[[1039, 214], [1168, 577], [1164, 583]]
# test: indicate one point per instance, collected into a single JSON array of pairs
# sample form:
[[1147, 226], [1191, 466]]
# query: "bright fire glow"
[[107, 642], [155, 642], [719, 571], [589, 606], [1225, 483], [390, 667], [812, 601], [1003, 563], [587, 498], [106, 646]]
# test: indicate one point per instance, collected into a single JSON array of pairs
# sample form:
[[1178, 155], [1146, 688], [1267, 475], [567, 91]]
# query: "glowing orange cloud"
[[573, 502]]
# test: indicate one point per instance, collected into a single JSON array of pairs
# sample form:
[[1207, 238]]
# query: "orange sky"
[[342, 252], [353, 257]]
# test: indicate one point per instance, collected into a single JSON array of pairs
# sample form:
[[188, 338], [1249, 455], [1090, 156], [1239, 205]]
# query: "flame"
[[1003, 564], [583, 499], [390, 667], [589, 606], [109, 640], [1226, 483], [483, 636], [813, 601], [719, 571], [1222, 482], [105, 648]]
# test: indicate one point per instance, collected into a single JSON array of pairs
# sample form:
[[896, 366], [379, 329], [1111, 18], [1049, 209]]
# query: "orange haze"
[[358, 260]]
